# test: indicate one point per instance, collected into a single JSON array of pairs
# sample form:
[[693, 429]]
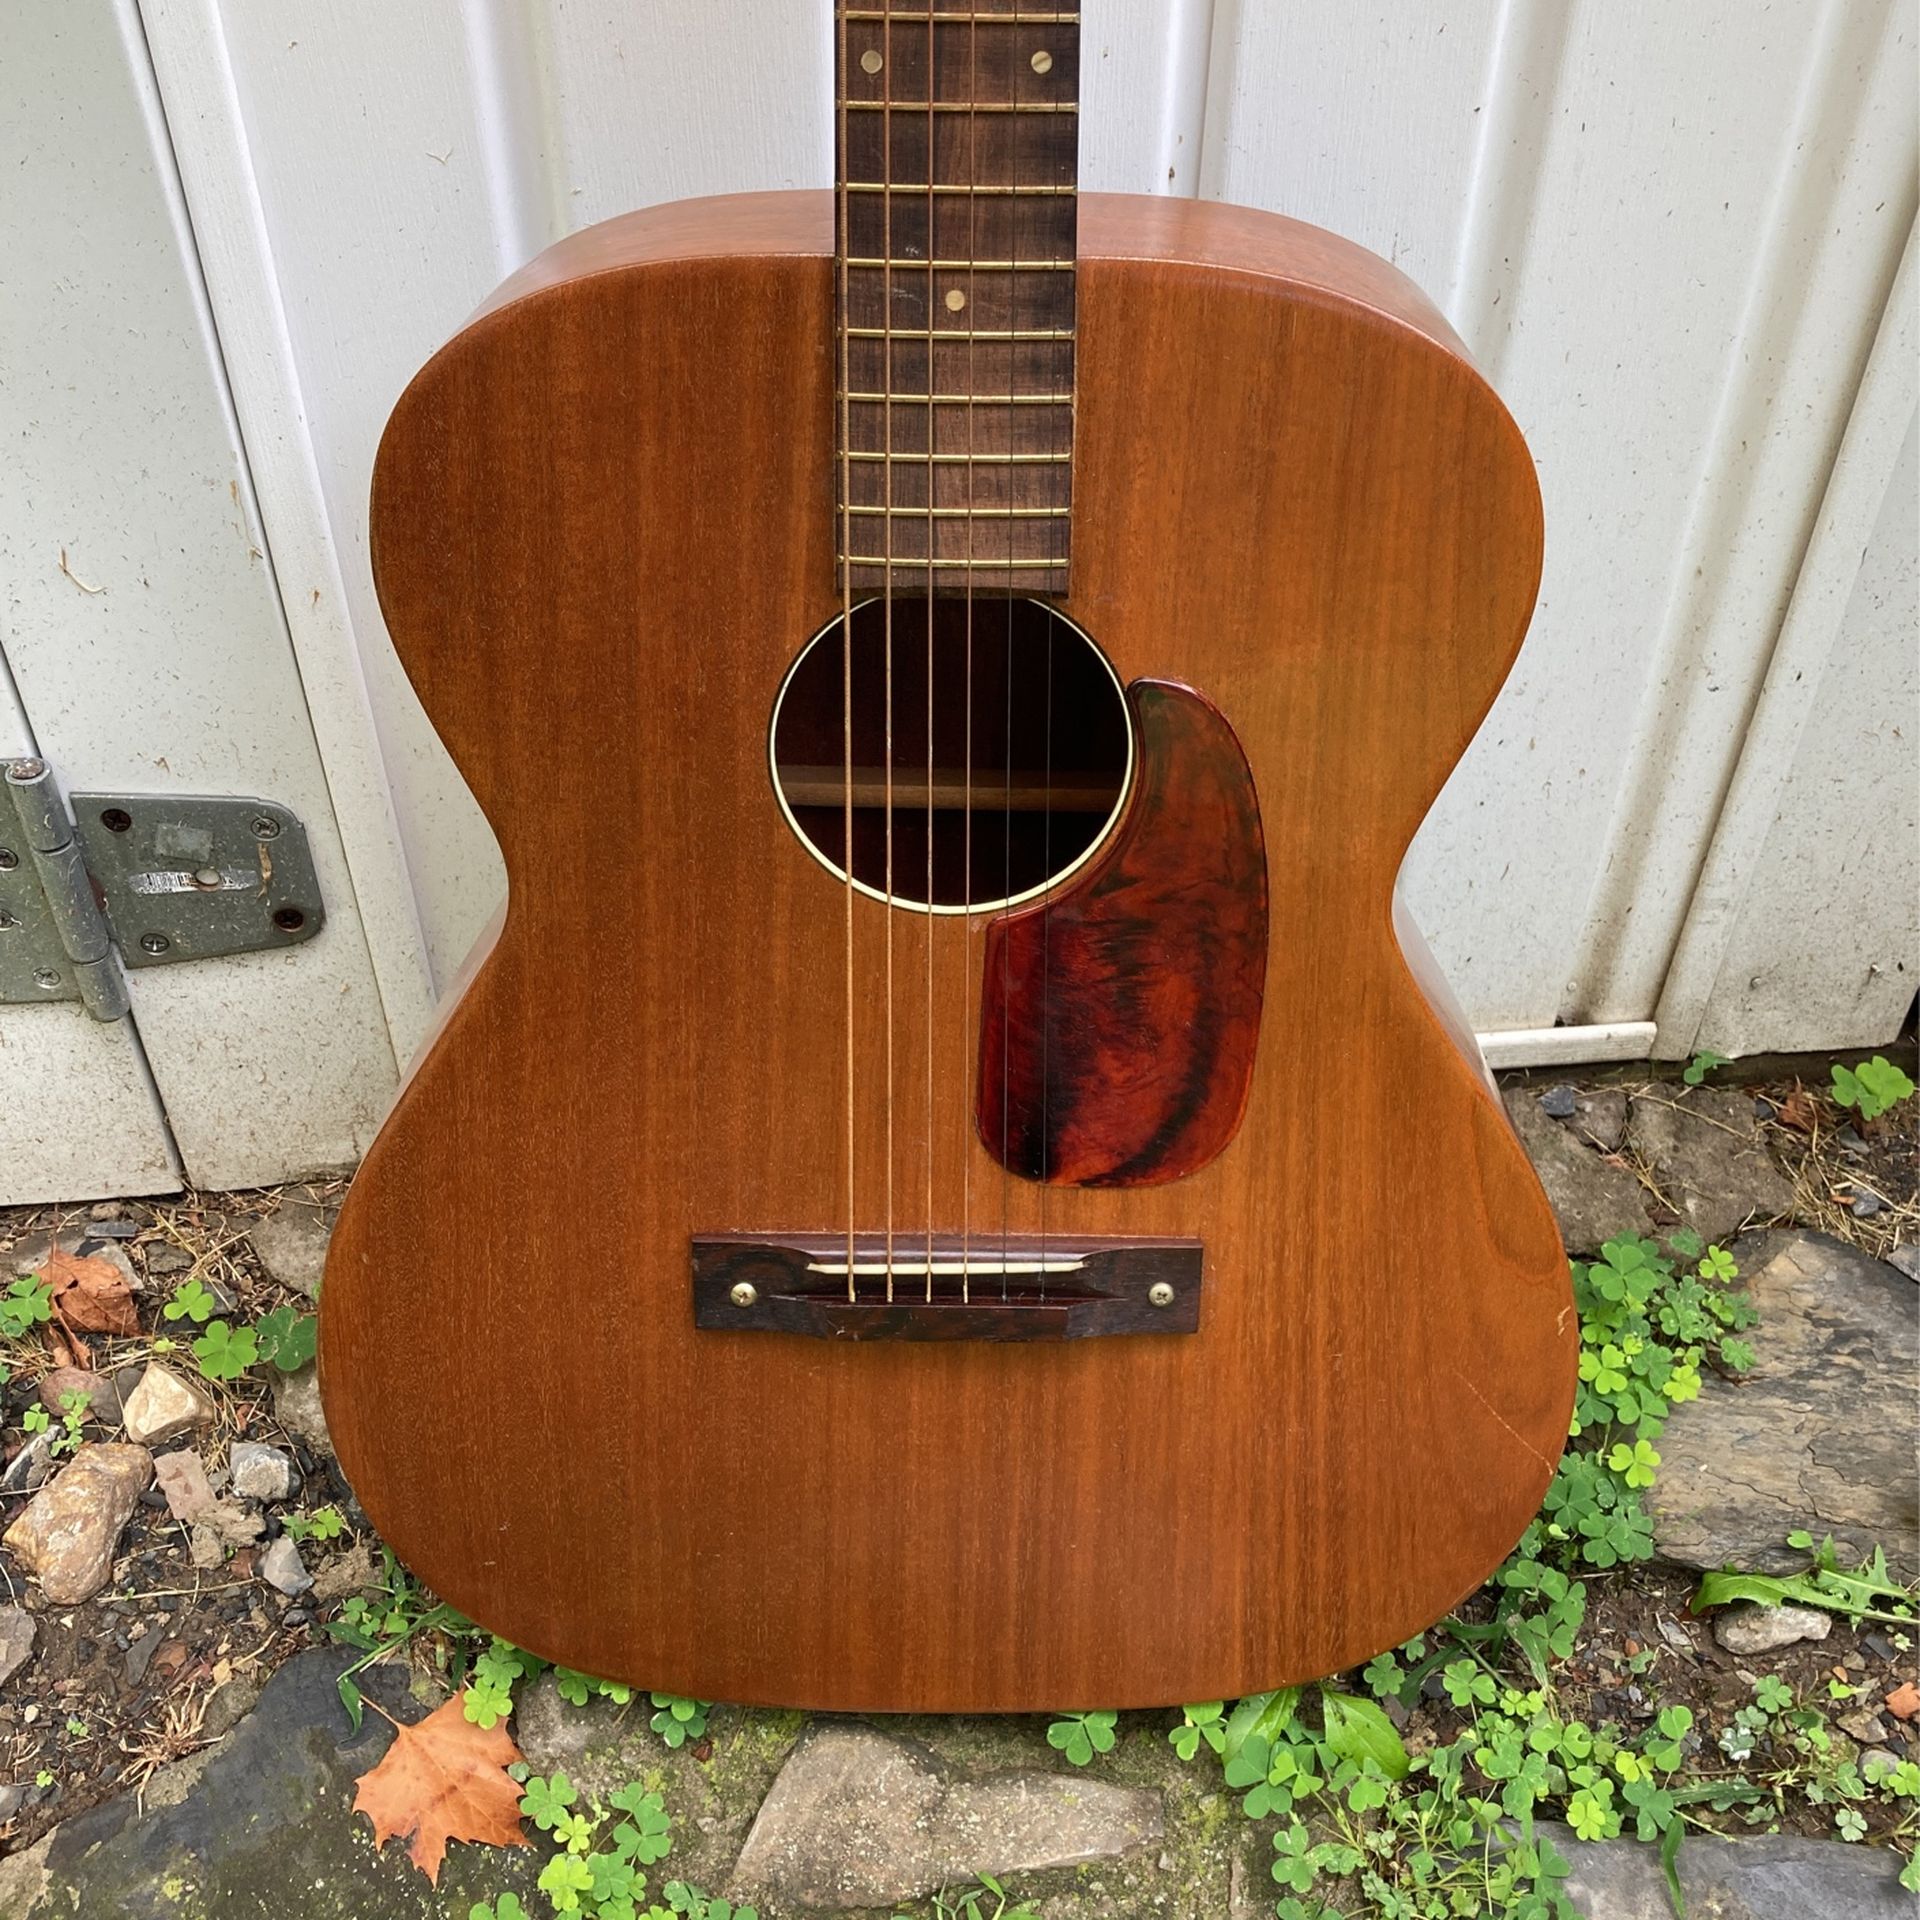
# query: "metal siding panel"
[[1827, 940], [169, 668]]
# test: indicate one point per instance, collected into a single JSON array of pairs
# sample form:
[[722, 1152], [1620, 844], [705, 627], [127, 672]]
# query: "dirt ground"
[[168, 1655]]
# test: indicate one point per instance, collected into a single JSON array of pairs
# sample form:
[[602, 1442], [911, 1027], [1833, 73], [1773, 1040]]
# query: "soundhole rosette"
[[1032, 754]]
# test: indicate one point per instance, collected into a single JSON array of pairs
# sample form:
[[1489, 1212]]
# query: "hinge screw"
[[743, 1293], [154, 943], [8, 859], [265, 827], [46, 978], [1160, 1294]]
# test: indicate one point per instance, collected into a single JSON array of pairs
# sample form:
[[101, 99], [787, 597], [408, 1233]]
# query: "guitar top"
[[955, 1185]]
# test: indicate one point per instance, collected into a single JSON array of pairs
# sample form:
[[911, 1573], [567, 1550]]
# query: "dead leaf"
[[1904, 1701], [1798, 1111], [443, 1779], [90, 1295]]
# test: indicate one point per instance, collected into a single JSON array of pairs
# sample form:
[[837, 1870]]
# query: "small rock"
[[164, 1406], [1593, 1199], [140, 1657], [183, 1480], [1878, 1645], [1710, 1159], [12, 1798], [1757, 1629], [1559, 1103], [292, 1245], [1907, 1259], [30, 1466], [296, 1405], [1863, 1725], [68, 1532], [18, 1630], [1601, 1118], [344, 1574], [857, 1819], [1675, 1635], [29, 1253], [282, 1568], [259, 1472], [102, 1403], [1866, 1203], [1877, 1764], [229, 1705], [108, 1229], [164, 1258], [223, 1528]]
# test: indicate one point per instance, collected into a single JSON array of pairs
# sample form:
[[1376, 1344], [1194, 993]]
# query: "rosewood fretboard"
[[958, 158]]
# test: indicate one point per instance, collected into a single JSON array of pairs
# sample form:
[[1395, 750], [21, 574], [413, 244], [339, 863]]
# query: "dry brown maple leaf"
[[1904, 1701], [443, 1779], [90, 1295]]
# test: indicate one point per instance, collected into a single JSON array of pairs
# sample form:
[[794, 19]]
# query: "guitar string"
[[1046, 849], [966, 776], [933, 386], [846, 602], [1006, 876], [886, 520], [1046, 893]]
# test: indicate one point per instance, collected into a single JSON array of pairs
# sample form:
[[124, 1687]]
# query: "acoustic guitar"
[[955, 1185]]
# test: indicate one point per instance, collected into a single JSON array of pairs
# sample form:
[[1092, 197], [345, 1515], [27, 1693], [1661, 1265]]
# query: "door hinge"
[[120, 880]]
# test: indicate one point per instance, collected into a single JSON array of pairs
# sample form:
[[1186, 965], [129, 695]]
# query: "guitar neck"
[[957, 171]]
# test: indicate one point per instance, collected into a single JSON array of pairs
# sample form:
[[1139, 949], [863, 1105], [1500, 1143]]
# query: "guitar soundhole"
[[1031, 750]]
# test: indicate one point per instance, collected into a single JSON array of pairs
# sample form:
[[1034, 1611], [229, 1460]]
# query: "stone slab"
[[1594, 1199], [858, 1818], [292, 1245], [1709, 1158], [1819, 1435], [1767, 1877], [264, 1830]]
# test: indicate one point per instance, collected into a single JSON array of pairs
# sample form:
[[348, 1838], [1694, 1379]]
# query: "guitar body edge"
[[602, 529]]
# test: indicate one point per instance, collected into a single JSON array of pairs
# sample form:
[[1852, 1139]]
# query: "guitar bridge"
[[984, 1286]]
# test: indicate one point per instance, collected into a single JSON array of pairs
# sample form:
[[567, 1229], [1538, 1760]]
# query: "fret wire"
[[971, 513], [963, 333], [963, 19], [962, 106], [957, 266], [920, 560], [915, 186], [964, 399], [957, 459]]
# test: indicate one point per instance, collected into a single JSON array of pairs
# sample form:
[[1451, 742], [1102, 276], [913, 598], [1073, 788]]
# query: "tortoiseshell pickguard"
[[1121, 1013]]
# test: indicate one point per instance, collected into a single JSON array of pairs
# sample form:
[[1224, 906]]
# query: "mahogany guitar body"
[[603, 529]]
